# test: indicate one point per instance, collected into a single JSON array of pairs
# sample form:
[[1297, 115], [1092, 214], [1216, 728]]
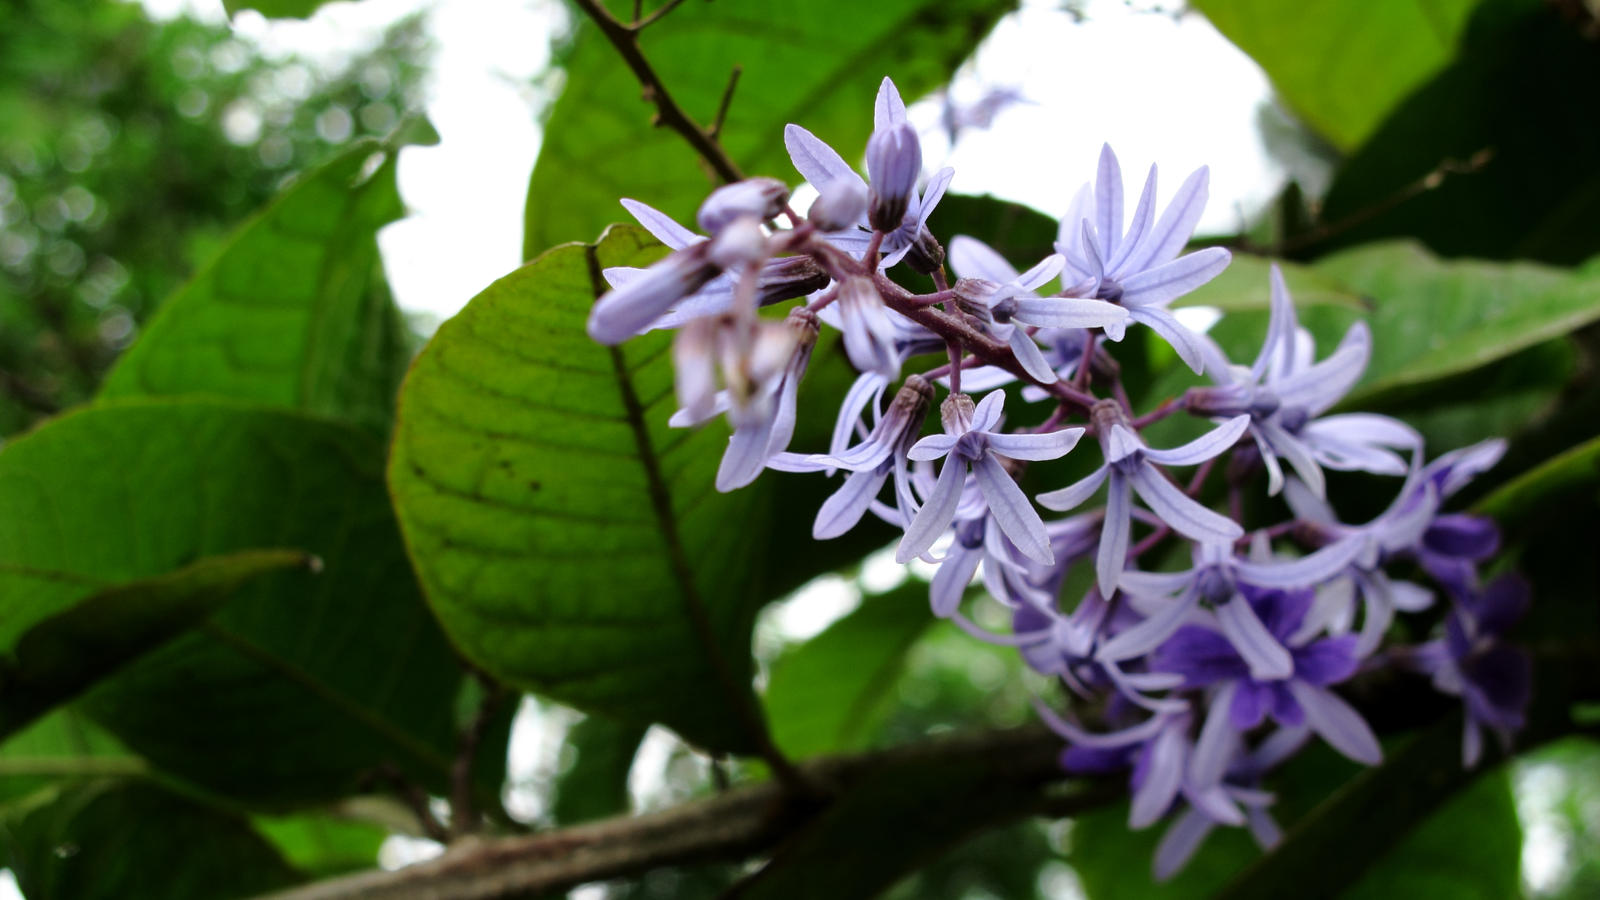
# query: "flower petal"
[[1073, 494], [1175, 226], [1012, 511], [1339, 724], [1108, 201], [1163, 284], [1112, 555], [1183, 341], [1268, 659], [1067, 312], [1180, 842], [935, 515], [1208, 446], [972, 258], [1052, 445], [1186, 516], [814, 159], [845, 507], [661, 225]]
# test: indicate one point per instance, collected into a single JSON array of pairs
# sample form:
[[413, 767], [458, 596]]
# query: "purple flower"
[[972, 441], [1130, 467], [822, 165], [1220, 578], [870, 463], [1139, 269], [1009, 296], [1242, 698], [1284, 392], [762, 363], [1493, 679], [646, 302]]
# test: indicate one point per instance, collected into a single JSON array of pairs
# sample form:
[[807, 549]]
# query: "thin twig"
[[658, 15], [668, 113], [727, 100], [463, 815]]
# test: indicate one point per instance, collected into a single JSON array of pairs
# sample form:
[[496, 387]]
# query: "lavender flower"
[[822, 165], [972, 440], [1009, 296], [1284, 392], [870, 462], [1130, 467], [1139, 269]]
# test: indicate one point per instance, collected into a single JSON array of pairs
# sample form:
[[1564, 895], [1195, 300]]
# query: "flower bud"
[[789, 277], [740, 243], [759, 198], [926, 254], [894, 160], [840, 204], [955, 413], [634, 304], [868, 333]]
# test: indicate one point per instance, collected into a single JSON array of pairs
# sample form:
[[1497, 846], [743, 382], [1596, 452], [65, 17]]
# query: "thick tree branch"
[[737, 824]]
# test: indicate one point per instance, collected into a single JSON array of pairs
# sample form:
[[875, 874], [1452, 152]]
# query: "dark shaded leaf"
[[60, 656], [304, 683], [129, 840], [1494, 118], [596, 785], [828, 694]]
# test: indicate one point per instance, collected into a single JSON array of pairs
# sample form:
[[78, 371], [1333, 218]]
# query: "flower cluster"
[[1199, 650]]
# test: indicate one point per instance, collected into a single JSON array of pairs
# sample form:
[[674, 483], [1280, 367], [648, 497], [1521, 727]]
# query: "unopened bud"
[[894, 160], [741, 243], [972, 296], [955, 413], [926, 254], [840, 204], [635, 303], [789, 277], [760, 198]]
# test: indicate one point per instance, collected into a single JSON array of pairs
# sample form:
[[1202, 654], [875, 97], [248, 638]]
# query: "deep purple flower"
[[1493, 679], [1240, 699]]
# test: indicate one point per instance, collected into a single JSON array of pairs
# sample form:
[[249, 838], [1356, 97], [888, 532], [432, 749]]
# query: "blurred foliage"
[[128, 148]]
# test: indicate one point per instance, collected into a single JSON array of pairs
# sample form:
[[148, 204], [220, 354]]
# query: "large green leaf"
[[304, 684], [131, 840], [1342, 66], [1500, 145], [817, 64], [294, 312], [569, 540], [827, 694], [59, 656], [1571, 476]]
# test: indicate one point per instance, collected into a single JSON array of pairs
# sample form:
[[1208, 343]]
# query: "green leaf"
[[1020, 233], [60, 656], [800, 64], [275, 9], [1458, 167], [294, 312], [323, 844], [304, 684], [131, 840], [1434, 318], [1245, 286], [1343, 66], [828, 694], [60, 746], [570, 542], [596, 785], [1567, 478]]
